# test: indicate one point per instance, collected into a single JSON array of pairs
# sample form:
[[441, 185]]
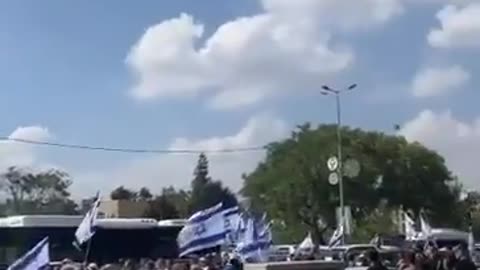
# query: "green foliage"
[[44, 192], [380, 221], [161, 208], [291, 183], [144, 194], [122, 193], [205, 192], [179, 198]]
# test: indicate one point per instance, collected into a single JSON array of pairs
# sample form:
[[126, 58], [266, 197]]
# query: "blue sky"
[[229, 74]]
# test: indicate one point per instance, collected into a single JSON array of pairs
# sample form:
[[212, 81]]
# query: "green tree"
[[44, 192], [179, 198], [122, 193], [144, 194], [161, 208], [291, 183], [379, 221], [205, 192]]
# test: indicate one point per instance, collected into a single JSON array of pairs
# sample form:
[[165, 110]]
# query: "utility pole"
[[326, 90]]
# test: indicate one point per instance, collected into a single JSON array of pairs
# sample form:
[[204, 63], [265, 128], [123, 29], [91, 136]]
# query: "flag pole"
[[87, 251]]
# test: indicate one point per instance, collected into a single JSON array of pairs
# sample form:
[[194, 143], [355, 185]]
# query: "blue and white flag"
[[411, 233], [232, 218], [256, 241], [204, 229], [240, 228], [264, 230], [86, 229], [425, 227], [36, 259], [471, 243], [337, 236]]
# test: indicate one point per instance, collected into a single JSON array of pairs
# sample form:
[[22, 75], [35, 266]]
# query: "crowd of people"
[[430, 258], [208, 262]]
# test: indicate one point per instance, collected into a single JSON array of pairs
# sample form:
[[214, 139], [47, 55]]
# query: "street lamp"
[[326, 90]]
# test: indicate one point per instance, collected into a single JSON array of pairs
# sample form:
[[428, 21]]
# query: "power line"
[[133, 150]]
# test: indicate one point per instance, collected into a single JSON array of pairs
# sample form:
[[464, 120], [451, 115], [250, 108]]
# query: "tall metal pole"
[[340, 164], [337, 94]]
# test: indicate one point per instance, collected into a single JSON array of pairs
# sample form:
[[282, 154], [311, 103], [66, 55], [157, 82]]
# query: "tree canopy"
[[291, 183], [206, 192], [37, 192]]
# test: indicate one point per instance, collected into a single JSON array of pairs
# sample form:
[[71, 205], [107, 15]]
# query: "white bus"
[[113, 239]]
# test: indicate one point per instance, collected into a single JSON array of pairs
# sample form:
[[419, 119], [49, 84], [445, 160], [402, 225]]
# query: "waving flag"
[[337, 236], [410, 232], [86, 229], [36, 259], [240, 228], [232, 218], [425, 227], [204, 229], [264, 230], [255, 244]]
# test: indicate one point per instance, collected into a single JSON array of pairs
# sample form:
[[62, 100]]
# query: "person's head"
[[92, 266], [69, 267], [150, 265], [409, 257], [160, 263], [66, 261], [203, 261], [373, 256], [235, 262], [196, 267], [178, 266]]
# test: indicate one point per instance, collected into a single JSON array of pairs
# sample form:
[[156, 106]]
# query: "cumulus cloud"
[[459, 27], [286, 47], [177, 170], [436, 81], [18, 154], [456, 140]]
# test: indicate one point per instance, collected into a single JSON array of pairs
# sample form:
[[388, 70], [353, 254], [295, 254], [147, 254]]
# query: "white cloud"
[[19, 154], [457, 141], [177, 170], [287, 47], [459, 27], [436, 81]]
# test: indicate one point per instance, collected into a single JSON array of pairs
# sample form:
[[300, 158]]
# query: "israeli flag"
[[425, 227], [264, 229], [232, 218], [86, 229], [240, 228], [471, 243], [256, 242], [204, 229], [411, 233], [336, 238], [35, 259]]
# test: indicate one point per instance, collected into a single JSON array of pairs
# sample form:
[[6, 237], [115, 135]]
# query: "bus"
[[114, 238]]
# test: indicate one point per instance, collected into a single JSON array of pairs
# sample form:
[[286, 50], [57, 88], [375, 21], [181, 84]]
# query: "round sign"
[[351, 168], [332, 163], [333, 178]]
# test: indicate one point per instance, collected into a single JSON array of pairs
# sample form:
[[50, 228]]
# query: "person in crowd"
[[233, 264], [92, 266], [432, 259], [375, 262], [129, 265], [449, 259], [408, 261], [420, 261], [110, 267], [149, 265], [464, 262]]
